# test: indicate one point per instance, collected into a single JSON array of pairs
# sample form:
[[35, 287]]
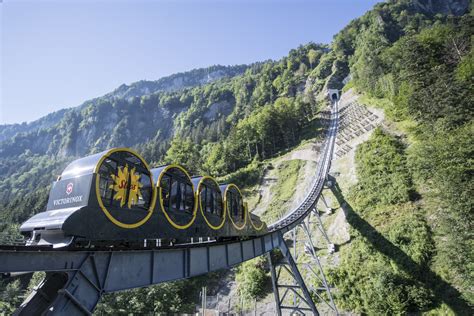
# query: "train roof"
[[90, 164], [156, 172]]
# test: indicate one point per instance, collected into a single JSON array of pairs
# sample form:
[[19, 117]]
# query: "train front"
[[104, 197]]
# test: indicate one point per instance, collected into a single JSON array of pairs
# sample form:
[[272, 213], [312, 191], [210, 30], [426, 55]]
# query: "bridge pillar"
[[298, 287], [43, 295], [319, 274], [75, 292], [302, 302]]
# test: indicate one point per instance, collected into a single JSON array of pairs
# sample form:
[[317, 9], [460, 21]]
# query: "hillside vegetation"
[[411, 210], [410, 213]]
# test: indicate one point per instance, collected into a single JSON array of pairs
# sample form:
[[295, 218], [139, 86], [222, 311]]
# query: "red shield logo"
[[69, 187]]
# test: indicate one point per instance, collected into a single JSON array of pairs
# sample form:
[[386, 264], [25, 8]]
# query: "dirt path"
[[264, 192]]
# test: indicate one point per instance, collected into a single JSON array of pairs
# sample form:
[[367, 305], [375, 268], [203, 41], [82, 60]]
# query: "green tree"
[[214, 163], [313, 56], [184, 152], [384, 177], [10, 297], [252, 280], [166, 298]]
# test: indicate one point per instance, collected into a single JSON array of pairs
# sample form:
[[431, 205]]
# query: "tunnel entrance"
[[332, 94]]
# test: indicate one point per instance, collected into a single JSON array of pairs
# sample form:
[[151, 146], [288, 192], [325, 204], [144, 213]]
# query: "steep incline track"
[[294, 217]]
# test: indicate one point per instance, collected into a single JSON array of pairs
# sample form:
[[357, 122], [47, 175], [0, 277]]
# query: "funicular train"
[[113, 199]]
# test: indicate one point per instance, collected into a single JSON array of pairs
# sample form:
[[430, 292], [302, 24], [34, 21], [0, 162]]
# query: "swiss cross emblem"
[[69, 188]]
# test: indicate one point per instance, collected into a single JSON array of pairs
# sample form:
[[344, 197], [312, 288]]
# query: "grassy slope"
[[395, 242], [283, 190]]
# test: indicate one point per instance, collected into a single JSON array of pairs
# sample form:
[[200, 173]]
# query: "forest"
[[415, 183], [411, 211]]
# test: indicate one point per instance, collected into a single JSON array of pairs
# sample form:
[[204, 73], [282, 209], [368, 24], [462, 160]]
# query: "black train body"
[[113, 197]]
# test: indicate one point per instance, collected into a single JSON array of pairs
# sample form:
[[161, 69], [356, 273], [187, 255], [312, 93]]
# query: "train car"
[[105, 196], [176, 209], [210, 206], [224, 211], [113, 198]]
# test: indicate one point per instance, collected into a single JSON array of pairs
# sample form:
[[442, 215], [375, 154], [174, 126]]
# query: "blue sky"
[[59, 53]]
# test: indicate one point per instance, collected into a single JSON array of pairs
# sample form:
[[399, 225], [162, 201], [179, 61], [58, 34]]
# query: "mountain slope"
[[171, 83], [409, 212]]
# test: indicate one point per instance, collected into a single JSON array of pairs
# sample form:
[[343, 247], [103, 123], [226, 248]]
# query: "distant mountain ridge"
[[174, 82], [455, 7], [9, 130], [177, 81]]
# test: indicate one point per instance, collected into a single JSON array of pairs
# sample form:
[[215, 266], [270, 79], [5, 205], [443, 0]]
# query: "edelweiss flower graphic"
[[124, 181]]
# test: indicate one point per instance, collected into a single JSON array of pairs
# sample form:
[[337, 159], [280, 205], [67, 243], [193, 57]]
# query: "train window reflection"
[[211, 200], [189, 198], [165, 190], [176, 193], [209, 204], [217, 203], [234, 204]]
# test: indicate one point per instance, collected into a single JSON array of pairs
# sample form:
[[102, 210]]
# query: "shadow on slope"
[[442, 290]]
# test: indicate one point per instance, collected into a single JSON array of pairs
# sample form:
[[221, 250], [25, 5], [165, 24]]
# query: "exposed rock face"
[[176, 82], [217, 109], [340, 70], [455, 7]]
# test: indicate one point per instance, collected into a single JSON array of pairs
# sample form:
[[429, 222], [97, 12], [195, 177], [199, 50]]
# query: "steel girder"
[[298, 288], [77, 279]]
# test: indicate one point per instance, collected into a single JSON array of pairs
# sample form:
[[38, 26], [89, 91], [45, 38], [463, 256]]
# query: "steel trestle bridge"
[[76, 279]]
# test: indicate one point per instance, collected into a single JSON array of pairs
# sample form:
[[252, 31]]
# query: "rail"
[[294, 217]]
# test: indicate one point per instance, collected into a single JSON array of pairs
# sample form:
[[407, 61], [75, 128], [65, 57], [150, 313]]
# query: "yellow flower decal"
[[124, 181]]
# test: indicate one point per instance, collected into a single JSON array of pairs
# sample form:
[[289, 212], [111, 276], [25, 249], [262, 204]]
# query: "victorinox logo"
[[69, 187]]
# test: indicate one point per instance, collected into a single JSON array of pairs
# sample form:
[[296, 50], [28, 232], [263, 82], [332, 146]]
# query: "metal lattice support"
[[319, 225], [319, 273], [304, 302], [70, 293]]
